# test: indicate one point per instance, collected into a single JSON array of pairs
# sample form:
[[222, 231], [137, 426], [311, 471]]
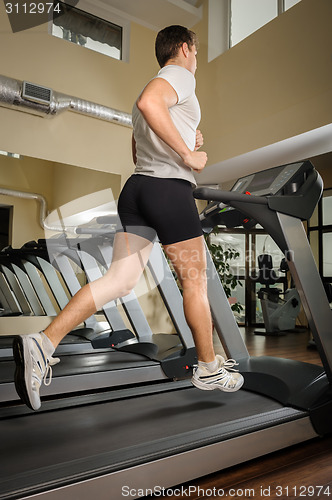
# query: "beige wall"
[[36, 56], [59, 184], [31, 176], [275, 84], [53, 147]]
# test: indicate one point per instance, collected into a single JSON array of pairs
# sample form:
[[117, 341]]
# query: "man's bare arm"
[[154, 103]]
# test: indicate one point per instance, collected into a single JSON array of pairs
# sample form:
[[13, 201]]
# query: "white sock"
[[47, 345], [211, 367]]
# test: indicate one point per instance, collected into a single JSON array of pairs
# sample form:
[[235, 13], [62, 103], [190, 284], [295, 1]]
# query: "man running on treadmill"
[[157, 200]]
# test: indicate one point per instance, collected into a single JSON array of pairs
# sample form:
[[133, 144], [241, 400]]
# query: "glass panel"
[[314, 243], [10, 155], [247, 17], [88, 31], [327, 207], [290, 3], [265, 244], [314, 218], [259, 313], [327, 255], [235, 290], [238, 299], [236, 242]]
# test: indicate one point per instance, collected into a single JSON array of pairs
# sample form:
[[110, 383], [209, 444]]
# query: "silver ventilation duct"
[[42, 101], [29, 196], [43, 212]]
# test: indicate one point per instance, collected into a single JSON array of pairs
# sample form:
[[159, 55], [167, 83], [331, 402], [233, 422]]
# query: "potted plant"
[[222, 256]]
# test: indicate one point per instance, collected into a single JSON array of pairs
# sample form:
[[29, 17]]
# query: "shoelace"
[[48, 371], [229, 364]]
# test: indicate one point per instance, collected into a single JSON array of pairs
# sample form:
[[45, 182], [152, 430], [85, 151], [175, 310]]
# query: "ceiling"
[[157, 14]]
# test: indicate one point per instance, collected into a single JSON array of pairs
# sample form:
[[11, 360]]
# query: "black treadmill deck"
[[63, 447]]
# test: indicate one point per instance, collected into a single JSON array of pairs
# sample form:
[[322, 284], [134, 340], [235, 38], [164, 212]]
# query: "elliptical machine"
[[279, 313]]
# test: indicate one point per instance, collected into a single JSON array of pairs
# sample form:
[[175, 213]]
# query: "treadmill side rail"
[[309, 285], [223, 317]]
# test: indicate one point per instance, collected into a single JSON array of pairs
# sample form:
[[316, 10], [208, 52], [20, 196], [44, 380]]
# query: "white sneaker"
[[222, 379], [33, 366]]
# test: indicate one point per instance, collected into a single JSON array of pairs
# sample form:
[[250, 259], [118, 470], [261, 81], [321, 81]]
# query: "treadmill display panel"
[[267, 182]]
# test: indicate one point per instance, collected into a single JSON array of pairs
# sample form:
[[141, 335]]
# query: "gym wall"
[[58, 183], [54, 148], [273, 85], [70, 155], [69, 138]]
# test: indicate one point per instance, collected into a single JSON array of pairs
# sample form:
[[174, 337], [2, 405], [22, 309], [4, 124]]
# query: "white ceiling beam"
[[156, 14], [307, 145]]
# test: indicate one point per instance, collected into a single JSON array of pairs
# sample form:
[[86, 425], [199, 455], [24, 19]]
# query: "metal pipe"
[[29, 196], [44, 213], [11, 96], [43, 207]]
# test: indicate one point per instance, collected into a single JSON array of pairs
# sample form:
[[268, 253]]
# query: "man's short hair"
[[170, 39]]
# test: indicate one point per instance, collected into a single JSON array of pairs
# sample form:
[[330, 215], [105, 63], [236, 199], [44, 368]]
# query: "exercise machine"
[[279, 309], [89, 360], [167, 433]]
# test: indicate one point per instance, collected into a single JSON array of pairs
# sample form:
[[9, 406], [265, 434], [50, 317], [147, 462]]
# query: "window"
[[320, 234], [249, 245], [327, 254], [231, 21], [88, 30], [234, 239], [246, 17], [290, 3], [10, 155]]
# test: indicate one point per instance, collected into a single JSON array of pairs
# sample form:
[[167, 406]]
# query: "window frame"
[[219, 22], [279, 4], [249, 282], [320, 229], [101, 11]]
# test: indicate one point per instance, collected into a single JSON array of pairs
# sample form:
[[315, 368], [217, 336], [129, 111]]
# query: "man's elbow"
[[143, 104], [148, 104]]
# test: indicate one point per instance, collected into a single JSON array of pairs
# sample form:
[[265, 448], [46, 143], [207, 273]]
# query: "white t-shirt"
[[154, 157]]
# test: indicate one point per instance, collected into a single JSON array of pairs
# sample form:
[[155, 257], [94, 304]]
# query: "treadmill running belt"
[[60, 447]]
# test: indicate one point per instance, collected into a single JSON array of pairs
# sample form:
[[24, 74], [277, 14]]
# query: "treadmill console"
[[284, 180], [268, 182]]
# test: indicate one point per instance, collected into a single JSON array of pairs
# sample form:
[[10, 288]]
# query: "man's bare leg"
[[213, 372], [33, 354], [130, 255], [189, 261]]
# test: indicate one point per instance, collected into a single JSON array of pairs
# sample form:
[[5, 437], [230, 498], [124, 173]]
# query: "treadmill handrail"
[[227, 197]]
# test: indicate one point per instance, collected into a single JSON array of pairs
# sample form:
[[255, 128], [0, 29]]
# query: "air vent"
[[36, 93]]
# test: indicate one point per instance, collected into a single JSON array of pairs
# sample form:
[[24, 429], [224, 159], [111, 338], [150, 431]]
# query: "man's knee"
[[192, 275], [195, 281], [124, 290], [119, 286]]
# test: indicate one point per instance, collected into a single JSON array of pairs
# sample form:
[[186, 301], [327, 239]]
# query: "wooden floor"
[[302, 471]]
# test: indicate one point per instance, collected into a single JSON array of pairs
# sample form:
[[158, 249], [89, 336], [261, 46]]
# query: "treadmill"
[[149, 436], [102, 353]]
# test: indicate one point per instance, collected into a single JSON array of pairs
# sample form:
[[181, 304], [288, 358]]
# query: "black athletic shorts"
[[150, 206]]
